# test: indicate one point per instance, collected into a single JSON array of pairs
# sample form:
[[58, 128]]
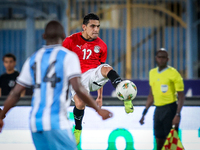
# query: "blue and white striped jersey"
[[49, 71]]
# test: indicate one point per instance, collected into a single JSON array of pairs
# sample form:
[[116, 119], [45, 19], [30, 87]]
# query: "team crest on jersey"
[[164, 88], [11, 83], [96, 49]]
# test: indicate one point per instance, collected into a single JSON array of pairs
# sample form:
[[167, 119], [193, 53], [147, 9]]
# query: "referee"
[[166, 83]]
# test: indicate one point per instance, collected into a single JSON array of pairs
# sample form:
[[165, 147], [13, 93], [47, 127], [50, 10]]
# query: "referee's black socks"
[[114, 78], [78, 117]]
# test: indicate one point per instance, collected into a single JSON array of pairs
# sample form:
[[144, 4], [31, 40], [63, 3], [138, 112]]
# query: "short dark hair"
[[10, 56], [90, 16], [54, 30]]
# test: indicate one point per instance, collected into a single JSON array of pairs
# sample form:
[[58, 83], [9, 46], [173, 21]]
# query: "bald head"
[[54, 32]]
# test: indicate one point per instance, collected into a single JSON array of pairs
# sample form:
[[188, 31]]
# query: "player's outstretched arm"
[[83, 94], [11, 100], [148, 104]]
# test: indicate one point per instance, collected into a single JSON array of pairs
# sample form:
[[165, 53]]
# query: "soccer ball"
[[126, 90]]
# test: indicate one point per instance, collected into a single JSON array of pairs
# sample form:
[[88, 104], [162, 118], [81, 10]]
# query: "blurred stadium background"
[[132, 29]]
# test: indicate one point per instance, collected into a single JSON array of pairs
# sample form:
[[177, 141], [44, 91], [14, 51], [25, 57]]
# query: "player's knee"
[[79, 104], [105, 70]]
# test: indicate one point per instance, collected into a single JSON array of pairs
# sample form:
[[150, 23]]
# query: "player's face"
[[92, 29], [162, 59], [9, 63]]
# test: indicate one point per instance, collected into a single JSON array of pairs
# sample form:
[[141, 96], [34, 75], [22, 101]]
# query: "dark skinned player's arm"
[[12, 99], [83, 94], [149, 99], [181, 98], [149, 102]]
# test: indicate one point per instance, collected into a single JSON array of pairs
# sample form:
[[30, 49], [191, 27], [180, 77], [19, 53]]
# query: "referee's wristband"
[[144, 112]]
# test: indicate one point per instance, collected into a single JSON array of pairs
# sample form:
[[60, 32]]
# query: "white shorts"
[[92, 79]]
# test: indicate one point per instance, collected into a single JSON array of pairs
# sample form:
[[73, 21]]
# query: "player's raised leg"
[[115, 79]]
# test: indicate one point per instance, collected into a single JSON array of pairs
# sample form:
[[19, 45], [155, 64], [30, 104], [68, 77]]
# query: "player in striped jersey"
[[51, 70]]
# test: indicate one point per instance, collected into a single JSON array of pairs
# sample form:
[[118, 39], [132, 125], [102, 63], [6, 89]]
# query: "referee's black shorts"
[[163, 117]]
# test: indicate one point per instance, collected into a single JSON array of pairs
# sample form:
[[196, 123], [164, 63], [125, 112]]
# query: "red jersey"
[[91, 53]]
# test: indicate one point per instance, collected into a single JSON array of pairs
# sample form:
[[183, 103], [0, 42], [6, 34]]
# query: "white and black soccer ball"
[[126, 90]]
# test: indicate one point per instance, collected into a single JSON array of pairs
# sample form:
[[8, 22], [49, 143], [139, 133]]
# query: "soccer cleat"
[[77, 135], [128, 106]]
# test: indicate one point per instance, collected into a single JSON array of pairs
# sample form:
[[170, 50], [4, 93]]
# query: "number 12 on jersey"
[[86, 53]]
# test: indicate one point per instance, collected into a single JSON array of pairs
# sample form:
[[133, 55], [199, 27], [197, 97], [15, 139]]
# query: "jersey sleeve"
[[178, 81], [24, 77], [104, 54], [72, 66], [67, 43]]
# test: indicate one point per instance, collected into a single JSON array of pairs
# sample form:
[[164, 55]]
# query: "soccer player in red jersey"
[[92, 53]]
